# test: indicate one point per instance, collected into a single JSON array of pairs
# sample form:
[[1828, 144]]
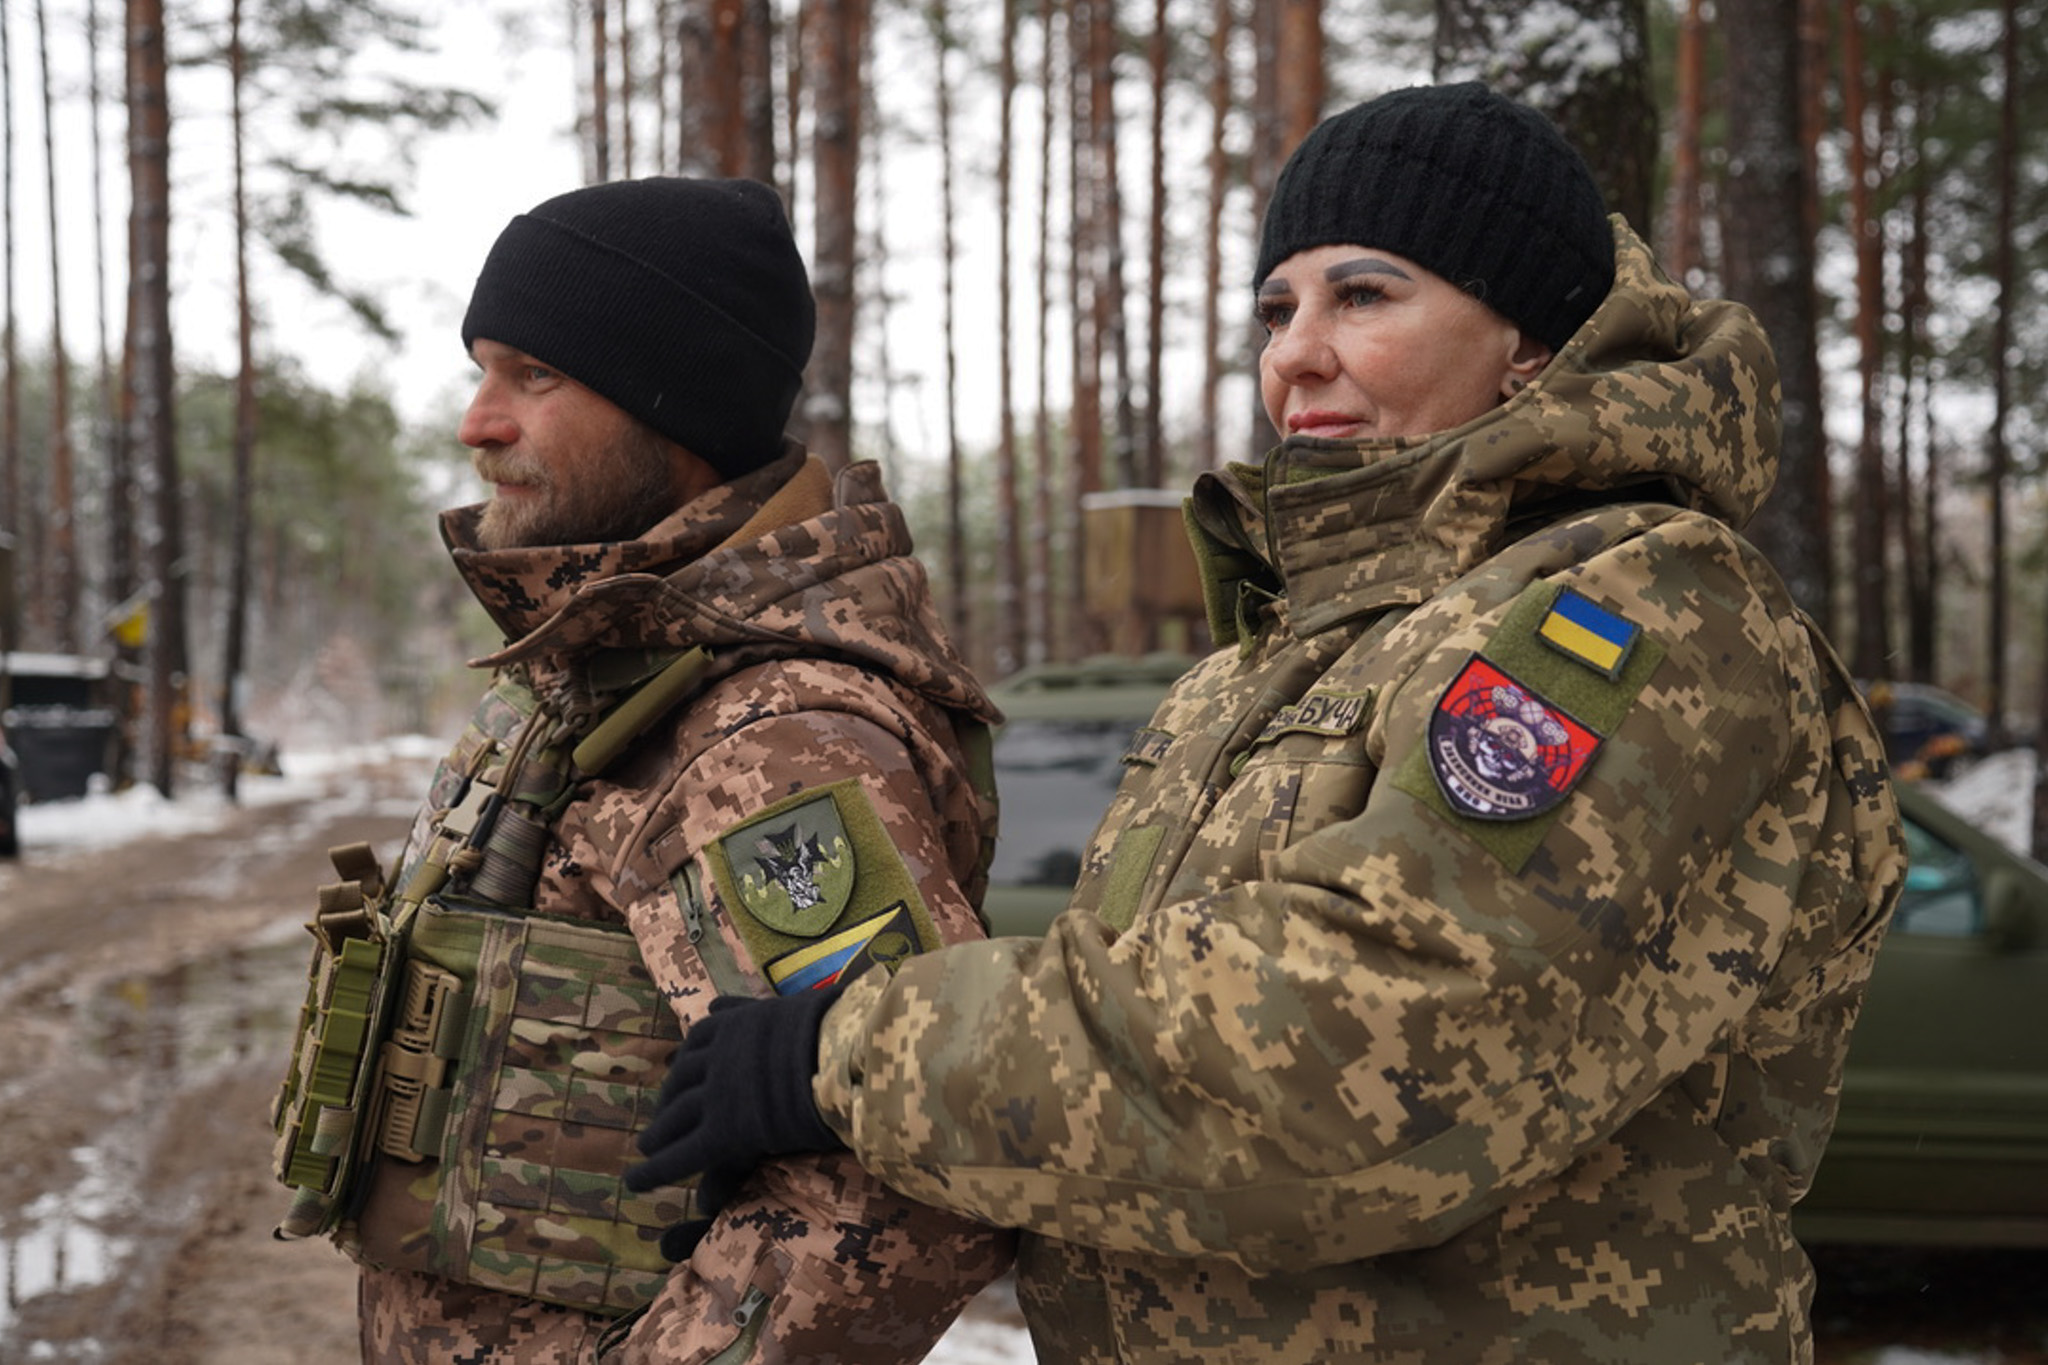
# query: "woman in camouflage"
[[1464, 968]]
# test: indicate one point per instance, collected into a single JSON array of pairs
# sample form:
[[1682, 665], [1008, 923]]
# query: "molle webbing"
[[446, 1025], [510, 1107]]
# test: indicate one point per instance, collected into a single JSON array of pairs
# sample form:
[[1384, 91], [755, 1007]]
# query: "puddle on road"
[[62, 1242], [167, 1031], [183, 1025]]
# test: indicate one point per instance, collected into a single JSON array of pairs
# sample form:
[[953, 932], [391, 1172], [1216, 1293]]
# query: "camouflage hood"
[[1656, 397], [780, 563]]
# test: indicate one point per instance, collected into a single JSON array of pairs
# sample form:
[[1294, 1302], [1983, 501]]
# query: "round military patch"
[[1499, 751]]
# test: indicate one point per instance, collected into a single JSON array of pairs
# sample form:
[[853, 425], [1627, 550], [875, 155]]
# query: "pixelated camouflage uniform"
[[829, 665], [1325, 1065]]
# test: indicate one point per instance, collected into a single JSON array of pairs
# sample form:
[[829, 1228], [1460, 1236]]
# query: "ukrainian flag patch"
[[1582, 630], [884, 941]]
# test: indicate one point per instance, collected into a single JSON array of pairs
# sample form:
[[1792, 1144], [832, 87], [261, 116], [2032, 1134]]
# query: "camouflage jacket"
[[832, 688], [1464, 967]]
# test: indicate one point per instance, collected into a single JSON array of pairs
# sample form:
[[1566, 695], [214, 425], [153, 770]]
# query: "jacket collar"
[[1656, 397]]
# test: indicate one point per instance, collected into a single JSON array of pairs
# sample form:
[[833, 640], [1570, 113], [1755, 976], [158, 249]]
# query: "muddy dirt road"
[[145, 996]]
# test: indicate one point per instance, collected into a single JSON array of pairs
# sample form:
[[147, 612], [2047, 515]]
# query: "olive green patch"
[[1597, 702], [1128, 867], [814, 864]]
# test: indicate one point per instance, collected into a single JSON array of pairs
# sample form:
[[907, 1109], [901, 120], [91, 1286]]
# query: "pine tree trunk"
[[664, 73], [1871, 587], [1008, 638], [960, 606], [1152, 442], [153, 379], [235, 635], [626, 91], [1288, 82], [1924, 561], [1684, 253], [119, 485], [1916, 494], [1112, 324], [11, 519], [838, 35], [66, 595], [1045, 641], [757, 92], [1767, 263], [600, 93], [697, 102], [1209, 441], [1305, 82], [1998, 462]]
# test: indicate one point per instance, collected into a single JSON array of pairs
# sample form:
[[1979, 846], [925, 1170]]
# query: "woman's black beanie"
[[683, 301], [1476, 187]]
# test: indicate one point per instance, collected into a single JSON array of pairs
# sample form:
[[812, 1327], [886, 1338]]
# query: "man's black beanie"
[[685, 302], [1476, 187]]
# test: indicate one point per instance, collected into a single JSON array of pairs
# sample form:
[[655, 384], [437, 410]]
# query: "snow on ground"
[[1996, 794], [108, 818]]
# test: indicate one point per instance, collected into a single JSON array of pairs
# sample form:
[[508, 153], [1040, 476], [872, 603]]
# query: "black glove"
[[738, 1092]]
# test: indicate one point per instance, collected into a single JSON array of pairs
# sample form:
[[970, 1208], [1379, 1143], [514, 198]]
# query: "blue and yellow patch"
[[883, 941], [1579, 628], [817, 889]]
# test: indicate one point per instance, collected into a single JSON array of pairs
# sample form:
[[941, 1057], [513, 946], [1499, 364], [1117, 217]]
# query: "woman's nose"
[[1301, 350]]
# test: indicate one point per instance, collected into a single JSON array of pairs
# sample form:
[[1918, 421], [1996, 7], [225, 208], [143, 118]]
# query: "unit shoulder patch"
[[1501, 752], [817, 890], [795, 871]]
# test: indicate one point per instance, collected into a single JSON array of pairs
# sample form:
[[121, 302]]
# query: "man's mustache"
[[499, 468]]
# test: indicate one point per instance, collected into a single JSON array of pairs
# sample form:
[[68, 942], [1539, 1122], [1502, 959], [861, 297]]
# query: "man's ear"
[[1525, 362]]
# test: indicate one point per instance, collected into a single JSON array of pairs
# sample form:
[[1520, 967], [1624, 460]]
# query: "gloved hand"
[[737, 1093]]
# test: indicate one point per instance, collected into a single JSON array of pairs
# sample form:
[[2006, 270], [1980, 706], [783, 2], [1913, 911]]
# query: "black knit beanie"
[[683, 301], [1470, 184]]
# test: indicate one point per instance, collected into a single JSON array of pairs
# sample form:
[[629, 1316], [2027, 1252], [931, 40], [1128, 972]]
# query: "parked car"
[[1943, 1132], [1927, 729], [1942, 1135]]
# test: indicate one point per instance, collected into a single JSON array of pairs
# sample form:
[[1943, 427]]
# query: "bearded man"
[[728, 749]]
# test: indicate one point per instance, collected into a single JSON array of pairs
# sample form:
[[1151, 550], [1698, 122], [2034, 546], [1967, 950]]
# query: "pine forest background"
[[1056, 201]]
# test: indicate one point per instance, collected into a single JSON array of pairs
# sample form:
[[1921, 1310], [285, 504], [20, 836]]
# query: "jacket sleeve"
[[816, 1260], [1402, 1019]]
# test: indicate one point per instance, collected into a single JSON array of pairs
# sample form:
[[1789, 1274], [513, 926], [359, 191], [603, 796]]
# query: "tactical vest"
[[469, 1075]]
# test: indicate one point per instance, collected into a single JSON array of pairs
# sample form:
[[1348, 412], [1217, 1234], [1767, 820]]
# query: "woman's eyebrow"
[[1364, 265]]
